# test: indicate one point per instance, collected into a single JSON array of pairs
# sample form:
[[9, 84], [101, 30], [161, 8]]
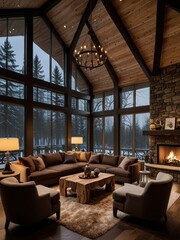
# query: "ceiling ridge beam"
[[47, 6], [159, 35], [89, 8], [108, 65], [122, 29]]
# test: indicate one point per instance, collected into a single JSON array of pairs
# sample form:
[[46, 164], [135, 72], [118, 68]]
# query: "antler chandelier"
[[90, 55]]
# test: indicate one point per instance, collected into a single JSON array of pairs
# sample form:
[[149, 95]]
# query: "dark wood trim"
[[28, 147], [175, 4], [89, 8], [14, 12], [159, 35], [116, 122], [14, 76], [49, 5], [123, 30], [11, 100], [175, 132], [108, 65], [133, 110]]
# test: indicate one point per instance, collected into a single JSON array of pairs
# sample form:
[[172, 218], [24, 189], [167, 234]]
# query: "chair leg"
[[57, 215], [114, 212], [7, 224]]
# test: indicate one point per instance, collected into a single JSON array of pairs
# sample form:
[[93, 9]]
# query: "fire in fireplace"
[[168, 154]]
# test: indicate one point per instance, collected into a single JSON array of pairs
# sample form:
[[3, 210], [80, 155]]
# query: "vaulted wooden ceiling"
[[140, 36]]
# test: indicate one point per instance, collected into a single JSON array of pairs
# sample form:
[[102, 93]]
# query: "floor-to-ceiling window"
[[39, 90], [103, 126], [134, 119], [12, 116]]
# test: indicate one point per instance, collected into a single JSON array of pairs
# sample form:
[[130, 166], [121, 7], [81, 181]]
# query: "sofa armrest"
[[23, 170], [134, 171]]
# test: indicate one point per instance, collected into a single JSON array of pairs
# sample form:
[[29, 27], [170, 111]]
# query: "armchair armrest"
[[44, 206], [134, 171], [23, 170]]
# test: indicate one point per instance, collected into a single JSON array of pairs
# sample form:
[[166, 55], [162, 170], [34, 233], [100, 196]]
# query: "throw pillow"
[[82, 157], [51, 159], [94, 158], [39, 163], [28, 162], [125, 163], [110, 160], [70, 158]]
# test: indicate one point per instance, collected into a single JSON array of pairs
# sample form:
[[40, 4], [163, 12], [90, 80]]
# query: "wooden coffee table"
[[82, 187]]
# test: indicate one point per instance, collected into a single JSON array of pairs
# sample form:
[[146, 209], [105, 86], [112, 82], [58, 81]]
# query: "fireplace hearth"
[[168, 154]]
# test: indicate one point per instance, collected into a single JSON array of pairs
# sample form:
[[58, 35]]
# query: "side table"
[[15, 174], [144, 176]]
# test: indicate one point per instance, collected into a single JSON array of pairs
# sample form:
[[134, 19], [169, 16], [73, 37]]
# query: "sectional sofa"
[[46, 169]]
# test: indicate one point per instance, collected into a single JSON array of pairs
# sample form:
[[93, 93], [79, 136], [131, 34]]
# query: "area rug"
[[96, 218], [90, 220]]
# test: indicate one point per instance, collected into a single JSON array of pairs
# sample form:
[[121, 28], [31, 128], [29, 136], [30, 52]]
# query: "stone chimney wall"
[[164, 103]]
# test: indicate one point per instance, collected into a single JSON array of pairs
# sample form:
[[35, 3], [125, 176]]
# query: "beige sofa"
[[46, 169]]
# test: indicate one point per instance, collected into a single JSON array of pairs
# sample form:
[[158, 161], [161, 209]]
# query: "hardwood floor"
[[127, 229]]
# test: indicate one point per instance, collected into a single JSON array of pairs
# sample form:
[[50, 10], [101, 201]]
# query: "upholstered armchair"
[[28, 203], [149, 202]]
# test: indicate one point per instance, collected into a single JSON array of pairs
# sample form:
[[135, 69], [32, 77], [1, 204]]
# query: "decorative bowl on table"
[[96, 172]]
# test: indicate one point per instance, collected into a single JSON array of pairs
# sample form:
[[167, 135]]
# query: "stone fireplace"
[[168, 154], [165, 103]]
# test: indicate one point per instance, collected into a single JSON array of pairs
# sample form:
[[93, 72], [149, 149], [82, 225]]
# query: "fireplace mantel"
[[175, 132]]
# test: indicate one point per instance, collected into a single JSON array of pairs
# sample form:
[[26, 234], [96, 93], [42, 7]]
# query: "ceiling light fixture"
[[90, 55]]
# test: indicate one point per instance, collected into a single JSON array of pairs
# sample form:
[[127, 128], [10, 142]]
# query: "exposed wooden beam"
[[108, 65], [159, 35], [175, 4], [121, 27], [49, 5], [89, 8]]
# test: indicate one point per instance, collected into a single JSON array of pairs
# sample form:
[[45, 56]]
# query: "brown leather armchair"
[[148, 203], [27, 203]]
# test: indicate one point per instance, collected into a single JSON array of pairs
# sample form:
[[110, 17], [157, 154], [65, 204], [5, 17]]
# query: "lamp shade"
[[9, 144], [76, 140]]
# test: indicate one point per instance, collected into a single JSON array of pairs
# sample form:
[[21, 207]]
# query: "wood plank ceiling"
[[140, 36]]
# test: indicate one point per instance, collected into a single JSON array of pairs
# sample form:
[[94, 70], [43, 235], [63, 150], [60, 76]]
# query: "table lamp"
[[6, 145], [76, 141]]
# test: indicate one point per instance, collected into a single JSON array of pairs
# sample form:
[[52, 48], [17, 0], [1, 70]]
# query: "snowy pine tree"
[[38, 71]]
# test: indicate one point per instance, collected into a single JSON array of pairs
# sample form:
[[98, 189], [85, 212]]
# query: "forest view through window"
[[132, 141]]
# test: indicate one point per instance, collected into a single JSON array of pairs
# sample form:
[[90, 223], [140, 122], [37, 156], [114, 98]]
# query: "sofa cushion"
[[28, 162], [110, 160], [127, 161], [118, 171], [39, 163], [51, 159], [102, 167], [70, 158], [119, 194], [94, 158]]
